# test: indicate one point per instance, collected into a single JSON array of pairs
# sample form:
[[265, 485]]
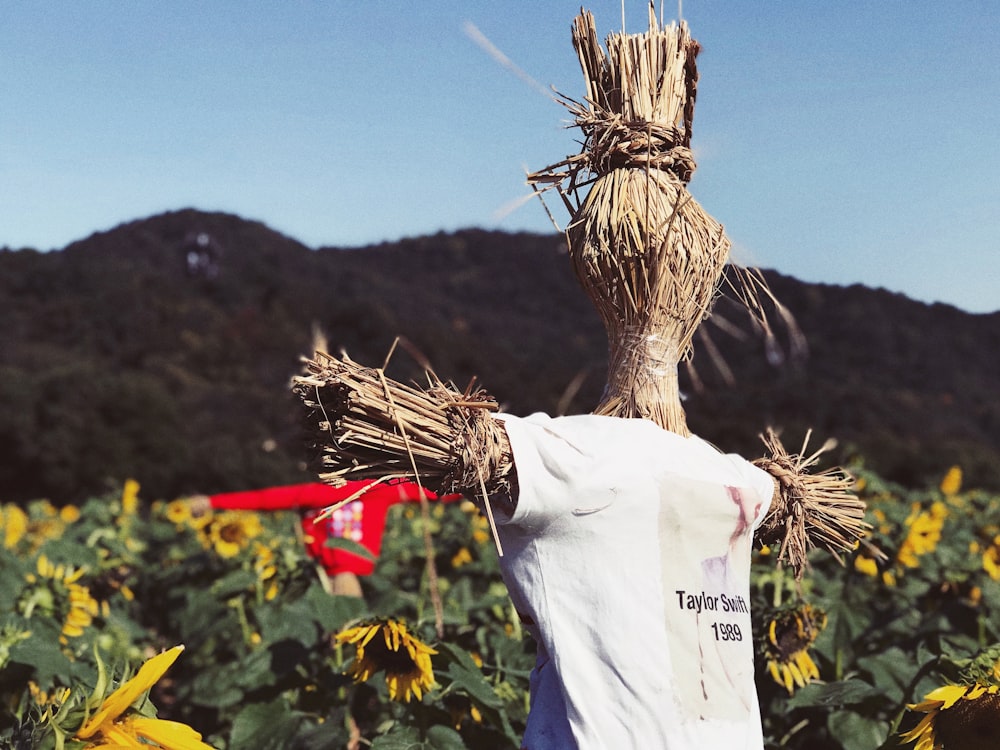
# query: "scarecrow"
[[624, 539]]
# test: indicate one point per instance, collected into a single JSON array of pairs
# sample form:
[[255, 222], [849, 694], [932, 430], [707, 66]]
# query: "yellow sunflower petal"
[[806, 665], [170, 735], [772, 666], [125, 696], [925, 706], [71, 575], [362, 633], [392, 682], [392, 635], [44, 567], [797, 674], [974, 692], [918, 730], [119, 738], [947, 694], [786, 673]]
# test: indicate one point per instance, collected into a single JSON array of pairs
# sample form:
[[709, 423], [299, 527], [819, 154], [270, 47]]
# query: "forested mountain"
[[162, 350]]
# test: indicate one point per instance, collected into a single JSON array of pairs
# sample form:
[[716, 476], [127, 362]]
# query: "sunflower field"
[[135, 622]]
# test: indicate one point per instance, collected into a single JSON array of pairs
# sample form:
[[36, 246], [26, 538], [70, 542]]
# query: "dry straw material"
[[651, 259], [808, 510], [364, 425]]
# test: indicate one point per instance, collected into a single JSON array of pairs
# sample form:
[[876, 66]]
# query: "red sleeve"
[[291, 497]]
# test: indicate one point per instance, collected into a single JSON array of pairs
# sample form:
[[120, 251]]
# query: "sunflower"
[[130, 497], [479, 523], [884, 526], [958, 716], [14, 523], [114, 726], [789, 636], [56, 589], [991, 557], [265, 567], [231, 532], [405, 659], [924, 533], [112, 581], [46, 700], [869, 566], [461, 710], [952, 482], [178, 512], [460, 558], [39, 522]]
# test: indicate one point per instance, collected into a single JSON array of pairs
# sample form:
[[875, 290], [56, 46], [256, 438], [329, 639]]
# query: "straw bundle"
[[652, 260], [648, 255], [809, 510], [367, 426]]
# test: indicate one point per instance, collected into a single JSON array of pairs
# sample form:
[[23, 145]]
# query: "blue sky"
[[850, 142]]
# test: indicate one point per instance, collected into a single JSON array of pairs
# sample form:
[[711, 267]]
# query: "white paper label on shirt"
[[705, 535]]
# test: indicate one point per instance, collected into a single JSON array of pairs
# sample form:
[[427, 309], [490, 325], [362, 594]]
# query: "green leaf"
[[464, 674], [295, 621], [41, 652], [264, 726], [333, 612], [441, 737], [12, 572], [856, 732], [254, 670], [234, 583], [892, 671], [226, 685], [349, 545], [846, 693], [398, 738], [329, 734]]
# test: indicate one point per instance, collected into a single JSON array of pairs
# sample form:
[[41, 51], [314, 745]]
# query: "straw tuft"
[[809, 510], [367, 426]]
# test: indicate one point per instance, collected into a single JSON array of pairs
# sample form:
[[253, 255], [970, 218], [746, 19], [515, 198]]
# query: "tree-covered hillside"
[[162, 350]]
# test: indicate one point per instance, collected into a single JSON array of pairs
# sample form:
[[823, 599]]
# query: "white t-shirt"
[[628, 557]]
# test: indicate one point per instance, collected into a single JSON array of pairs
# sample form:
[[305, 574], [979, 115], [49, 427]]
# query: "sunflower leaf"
[[856, 732], [465, 675], [846, 693], [234, 583], [440, 737], [265, 726], [41, 652], [398, 738]]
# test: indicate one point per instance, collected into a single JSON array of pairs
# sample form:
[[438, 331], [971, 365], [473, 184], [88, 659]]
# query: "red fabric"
[[361, 520]]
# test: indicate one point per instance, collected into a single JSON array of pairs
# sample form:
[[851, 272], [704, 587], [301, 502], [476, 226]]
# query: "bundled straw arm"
[[809, 510], [365, 426]]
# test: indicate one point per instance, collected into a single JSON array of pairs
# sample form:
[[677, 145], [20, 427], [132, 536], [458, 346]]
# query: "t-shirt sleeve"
[[550, 463], [759, 480]]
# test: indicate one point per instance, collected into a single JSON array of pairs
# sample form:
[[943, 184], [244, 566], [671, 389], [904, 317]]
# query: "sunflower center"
[[396, 662], [970, 724], [232, 533]]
